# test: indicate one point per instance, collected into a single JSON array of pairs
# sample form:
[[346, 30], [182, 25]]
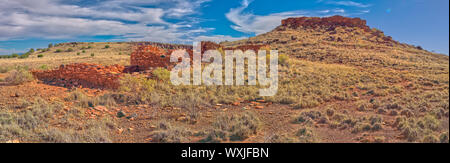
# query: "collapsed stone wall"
[[163, 45], [143, 58], [213, 46], [82, 74], [147, 56]]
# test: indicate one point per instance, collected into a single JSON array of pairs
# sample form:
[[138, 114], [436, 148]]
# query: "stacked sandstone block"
[[82, 75], [148, 56]]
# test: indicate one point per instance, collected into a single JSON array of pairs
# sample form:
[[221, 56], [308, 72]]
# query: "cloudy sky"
[[28, 24]]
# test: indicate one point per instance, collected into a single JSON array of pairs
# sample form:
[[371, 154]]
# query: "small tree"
[[50, 45]]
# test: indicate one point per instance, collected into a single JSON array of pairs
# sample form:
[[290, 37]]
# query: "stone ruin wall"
[[143, 57], [82, 75]]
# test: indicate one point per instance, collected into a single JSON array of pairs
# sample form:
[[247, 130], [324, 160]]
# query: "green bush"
[[137, 89], [40, 56], [162, 74], [92, 54], [283, 59], [44, 67], [107, 46], [58, 51], [70, 50]]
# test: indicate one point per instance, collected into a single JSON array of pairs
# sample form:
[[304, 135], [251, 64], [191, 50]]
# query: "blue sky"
[[36, 23]]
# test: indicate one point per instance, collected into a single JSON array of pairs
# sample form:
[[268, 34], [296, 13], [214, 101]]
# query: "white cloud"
[[57, 19], [348, 3], [250, 23], [218, 38], [10, 51]]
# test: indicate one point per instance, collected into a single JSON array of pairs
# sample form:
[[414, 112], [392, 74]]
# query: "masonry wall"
[[82, 75]]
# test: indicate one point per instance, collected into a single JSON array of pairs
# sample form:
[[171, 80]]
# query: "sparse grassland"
[[73, 53], [353, 90], [35, 122]]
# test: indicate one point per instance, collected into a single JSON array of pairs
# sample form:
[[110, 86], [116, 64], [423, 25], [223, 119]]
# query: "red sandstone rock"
[[332, 22], [149, 56]]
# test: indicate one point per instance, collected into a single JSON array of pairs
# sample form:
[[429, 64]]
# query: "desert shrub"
[[92, 54], [84, 51], [138, 88], [107, 46], [44, 67], [58, 51], [69, 50], [78, 53], [306, 135], [283, 59], [40, 56], [277, 138], [168, 133], [162, 74], [430, 139], [330, 112], [82, 100], [234, 127], [308, 117], [19, 76], [444, 137], [4, 69], [416, 129]]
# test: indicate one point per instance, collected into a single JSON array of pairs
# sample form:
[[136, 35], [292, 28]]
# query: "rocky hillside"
[[345, 41]]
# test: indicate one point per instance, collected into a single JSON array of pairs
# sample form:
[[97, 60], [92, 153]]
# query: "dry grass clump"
[[83, 100], [423, 129], [137, 89], [168, 133], [234, 127], [306, 135], [19, 76], [35, 124]]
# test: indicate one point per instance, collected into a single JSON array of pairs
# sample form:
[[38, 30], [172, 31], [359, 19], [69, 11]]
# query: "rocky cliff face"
[[329, 22]]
